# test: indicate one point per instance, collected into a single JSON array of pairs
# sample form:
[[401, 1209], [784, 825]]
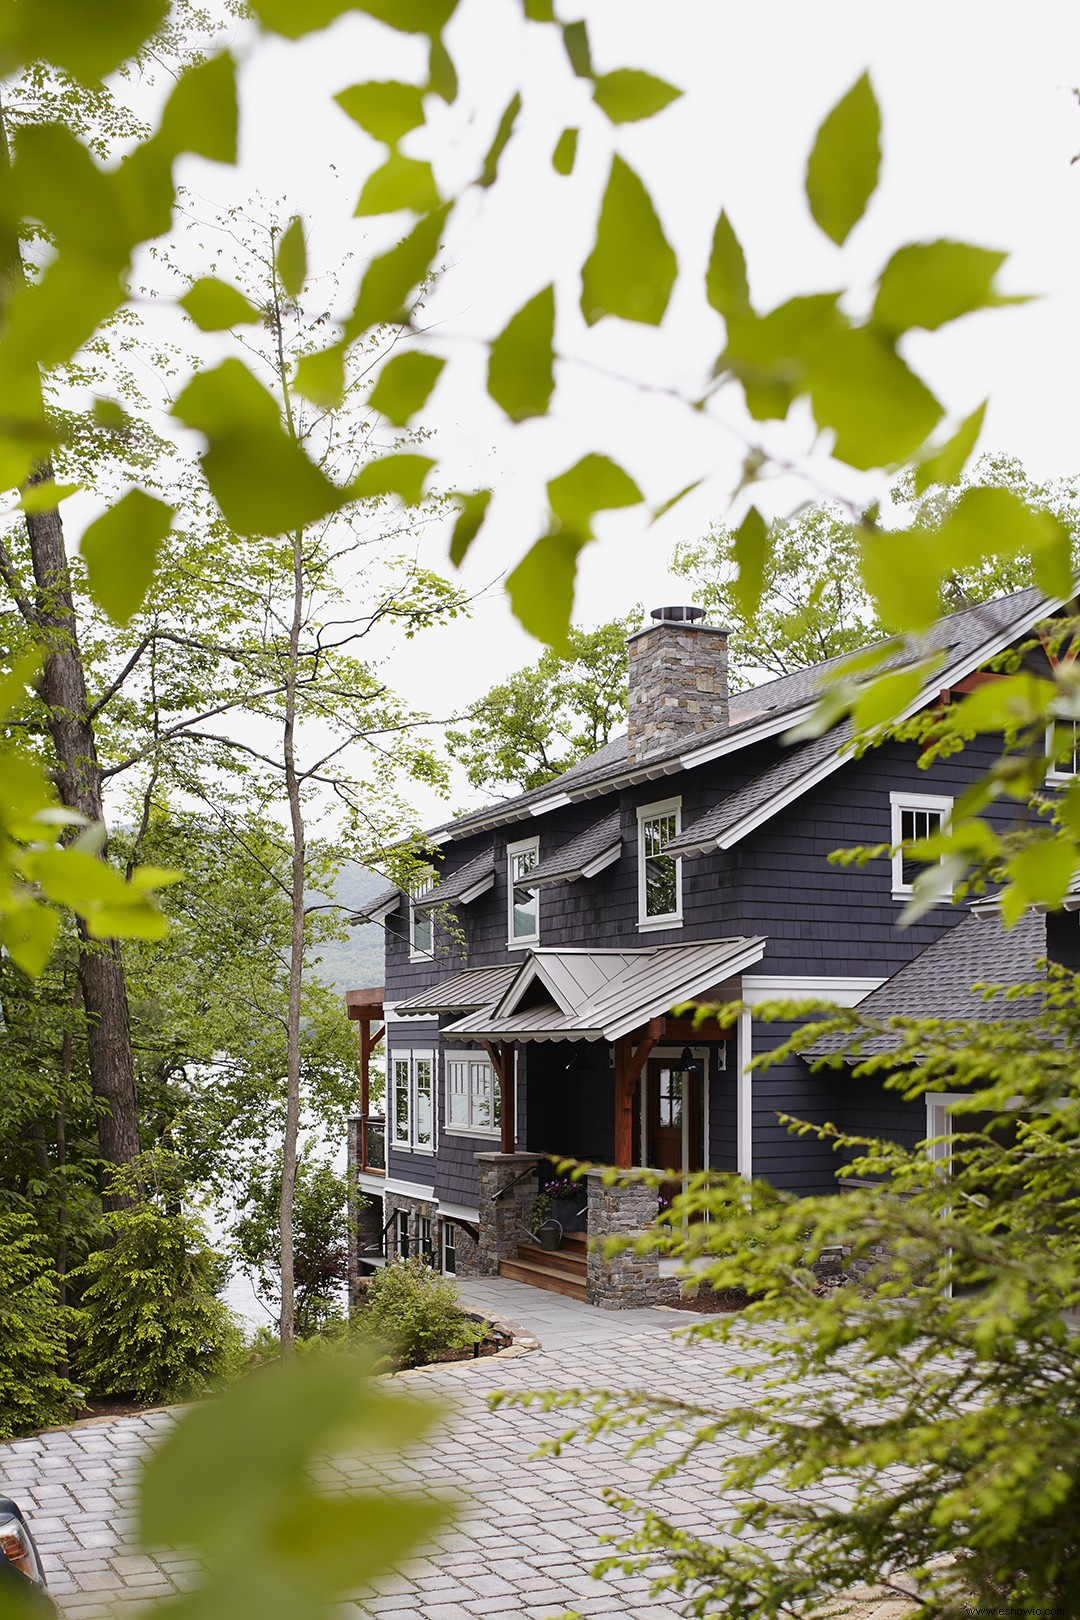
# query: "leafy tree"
[[320, 1246], [937, 1386], [813, 602], [33, 1334], [547, 717], [150, 1322]]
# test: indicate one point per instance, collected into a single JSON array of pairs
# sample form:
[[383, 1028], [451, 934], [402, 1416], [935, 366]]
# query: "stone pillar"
[[504, 1222], [625, 1280]]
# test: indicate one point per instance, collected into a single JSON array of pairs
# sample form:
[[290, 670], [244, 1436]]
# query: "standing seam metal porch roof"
[[603, 995], [466, 991]]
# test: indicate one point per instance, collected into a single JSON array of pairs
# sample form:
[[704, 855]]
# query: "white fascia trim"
[[388, 1184], [556, 802], [754, 951], [744, 1095], [531, 970], [475, 890], [845, 991], [459, 1212], [599, 862], [380, 915], [780, 801]]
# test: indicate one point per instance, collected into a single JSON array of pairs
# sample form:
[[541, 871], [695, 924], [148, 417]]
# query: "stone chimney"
[[678, 681]]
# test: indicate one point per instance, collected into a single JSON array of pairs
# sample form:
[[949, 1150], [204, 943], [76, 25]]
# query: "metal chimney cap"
[[678, 615]]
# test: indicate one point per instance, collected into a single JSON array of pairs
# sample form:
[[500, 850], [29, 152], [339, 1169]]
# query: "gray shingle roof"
[[961, 635], [571, 860], [381, 906], [938, 982], [456, 885]]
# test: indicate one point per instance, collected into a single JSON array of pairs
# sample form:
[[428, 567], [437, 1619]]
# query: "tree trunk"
[[296, 965]]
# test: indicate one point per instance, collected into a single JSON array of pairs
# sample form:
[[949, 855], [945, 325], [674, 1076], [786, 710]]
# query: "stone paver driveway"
[[527, 1537]]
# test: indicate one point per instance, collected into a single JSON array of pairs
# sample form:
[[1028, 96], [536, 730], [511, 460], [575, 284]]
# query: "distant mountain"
[[355, 963]]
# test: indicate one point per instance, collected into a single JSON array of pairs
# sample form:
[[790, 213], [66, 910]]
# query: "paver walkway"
[[528, 1534]]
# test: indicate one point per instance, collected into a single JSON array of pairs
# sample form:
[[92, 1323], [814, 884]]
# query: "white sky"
[[980, 124]]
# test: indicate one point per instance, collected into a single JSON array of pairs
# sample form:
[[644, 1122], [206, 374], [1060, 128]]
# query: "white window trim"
[[1054, 771], [494, 1132], [898, 803], [412, 1057], [670, 919], [521, 847], [416, 952]]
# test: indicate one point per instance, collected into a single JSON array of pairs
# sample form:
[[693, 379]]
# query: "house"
[[529, 986]]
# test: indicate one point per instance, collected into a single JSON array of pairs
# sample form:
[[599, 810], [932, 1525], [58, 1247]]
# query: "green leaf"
[[542, 11], [883, 700], [565, 153], [576, 44], [490, 170], [46, 496], [1043, 870], [945, 464], [631, 269], [442, 75], [402, 182], [120, 550], [292, 258], [320, 376], [991, 521], [541, 587], [29, 932], [673, 500], [842, 172], [928, 283], [880, 411], [520, 369], [593, 484], [261, 479], [293, 21], [404, 385], [901, 573], [770, 353], [216, 306], [750, 549], [473, 511], [401, 475], [630, 94], [90, 42], [202, 115], [388, 109], [726, 285], [390, 278]]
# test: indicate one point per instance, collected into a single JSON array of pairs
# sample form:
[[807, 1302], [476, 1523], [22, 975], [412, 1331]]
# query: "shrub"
[[414, 1312], [320, 1249], [151, 1323], [33, 1344]]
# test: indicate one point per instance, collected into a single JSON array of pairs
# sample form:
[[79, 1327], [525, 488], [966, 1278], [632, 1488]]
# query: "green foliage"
[[632, 267], [545, 718], [414, 1312], [630, 94], [842, 173], [520, 368], [121, 550], [919, 1422], [235, 1482], [150, 1322], [33, 1342], [320, 1239]]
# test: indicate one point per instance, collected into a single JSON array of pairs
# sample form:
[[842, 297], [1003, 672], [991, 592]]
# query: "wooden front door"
[[673, 1118]]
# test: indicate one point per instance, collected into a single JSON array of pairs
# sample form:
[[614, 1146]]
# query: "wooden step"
[[554, 1280], [564, 1259]]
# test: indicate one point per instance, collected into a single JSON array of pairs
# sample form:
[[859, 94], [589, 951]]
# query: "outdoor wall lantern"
[[689, 1064]]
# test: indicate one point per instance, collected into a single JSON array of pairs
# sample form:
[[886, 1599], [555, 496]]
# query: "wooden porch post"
[[502, 1061], [629, 1062]]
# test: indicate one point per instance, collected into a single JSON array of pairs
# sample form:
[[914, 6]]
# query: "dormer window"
[[523, 903], [421, 925]]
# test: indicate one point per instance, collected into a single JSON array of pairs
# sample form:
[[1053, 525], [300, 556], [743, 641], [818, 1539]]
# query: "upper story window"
[[412, 1100], [523, 921], [915, 816], [659, 875], [473, 1100], [421, 923], [1063, 747]]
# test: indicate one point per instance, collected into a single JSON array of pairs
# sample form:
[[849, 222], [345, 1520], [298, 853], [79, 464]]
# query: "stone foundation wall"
[[416, 1207], [626, 1280], [469, 1258], [504, 1222]]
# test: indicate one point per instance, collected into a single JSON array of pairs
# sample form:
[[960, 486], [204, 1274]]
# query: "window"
[[523, 903], [423, 1238], [915, 816], [421, 923], [473, 1101], [1063, 748], [401, 1233], [412, 1080], [659, 875], [449, 1247]]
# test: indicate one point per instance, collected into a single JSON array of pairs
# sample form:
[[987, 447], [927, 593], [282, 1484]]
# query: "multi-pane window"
[[412, 1083], [423, 1238], [421, 926], [449, 1247], [659, 875], [473, 1100], [915, 817], [1063, 748], [524, 903], [670, 1098], [401, 1233]]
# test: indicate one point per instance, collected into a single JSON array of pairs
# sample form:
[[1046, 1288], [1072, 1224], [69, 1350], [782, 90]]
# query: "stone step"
[[553, 1280], [564, 1259]]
